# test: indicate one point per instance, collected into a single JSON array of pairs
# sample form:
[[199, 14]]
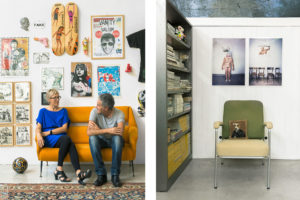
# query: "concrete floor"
[[32, 174], [238, 179]]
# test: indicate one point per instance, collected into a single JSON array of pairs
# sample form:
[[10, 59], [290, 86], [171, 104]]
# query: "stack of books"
[[173, 81], [170, 106], [178, 103], [171, 57], [185, 85]]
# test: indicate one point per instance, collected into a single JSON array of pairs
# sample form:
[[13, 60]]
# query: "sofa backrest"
[[81, 115]]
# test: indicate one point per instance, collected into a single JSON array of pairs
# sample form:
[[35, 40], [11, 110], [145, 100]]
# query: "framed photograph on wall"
[[52, 78], [44, 101], [23, 135], [6, 92], [22, 91], [6, 136], [109, 80], [108, 37], [6, 114], [23, 113], [81, 81], [14, 56]]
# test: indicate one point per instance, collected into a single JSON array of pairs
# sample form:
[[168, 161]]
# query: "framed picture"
[[14, 56], [23, 135], [6, 136], [6, 92], [52, 78], [22, 91], [41, 57], [109, 80], [107, 37], [23, 113], [238, 129], [81, 81], [228, 61], [44, 101], [6, 114]]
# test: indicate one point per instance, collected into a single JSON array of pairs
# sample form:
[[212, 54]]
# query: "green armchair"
[[254, 146]]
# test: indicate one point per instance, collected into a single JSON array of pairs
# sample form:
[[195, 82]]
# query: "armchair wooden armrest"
[[269, 125], [217, 124]]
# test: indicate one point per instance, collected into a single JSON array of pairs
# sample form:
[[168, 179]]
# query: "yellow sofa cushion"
[[250, 147]]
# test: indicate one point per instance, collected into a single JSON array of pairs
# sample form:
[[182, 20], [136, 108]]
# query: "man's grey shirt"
[[104, 122]]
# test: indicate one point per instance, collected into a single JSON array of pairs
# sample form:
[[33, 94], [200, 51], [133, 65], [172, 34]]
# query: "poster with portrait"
[[23, 113], [6, 92], [14, 56], [6, 136], [6, 114], [23, 135], [108, 37], [52, 78], [109, 80], [228, 61], [81, 79], [22, 91]]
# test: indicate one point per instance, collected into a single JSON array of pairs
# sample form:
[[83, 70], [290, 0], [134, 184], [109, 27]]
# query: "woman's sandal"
[[83, 175], [60, 175]]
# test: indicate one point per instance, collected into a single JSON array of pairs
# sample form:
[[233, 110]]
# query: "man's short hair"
[[107, 100], [107, 36]]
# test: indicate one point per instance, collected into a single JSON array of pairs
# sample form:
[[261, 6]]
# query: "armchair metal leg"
[[132, 167], [41, 169], [268, 172], [215, 173]]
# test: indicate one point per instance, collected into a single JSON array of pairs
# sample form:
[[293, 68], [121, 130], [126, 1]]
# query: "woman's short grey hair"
[[107, 100], [51, 93]]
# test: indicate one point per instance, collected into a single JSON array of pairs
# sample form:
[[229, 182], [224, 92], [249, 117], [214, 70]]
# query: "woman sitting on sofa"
[[51, 131]]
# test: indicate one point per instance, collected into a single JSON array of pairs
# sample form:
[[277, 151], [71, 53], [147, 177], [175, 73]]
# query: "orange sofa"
[[77, 131]]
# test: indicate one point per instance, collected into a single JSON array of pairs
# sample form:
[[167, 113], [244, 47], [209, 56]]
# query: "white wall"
[[281, 103], [13, 10]]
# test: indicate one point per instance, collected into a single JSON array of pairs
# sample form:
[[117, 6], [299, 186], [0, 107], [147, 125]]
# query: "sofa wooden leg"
[[41, 169], [132, 167]]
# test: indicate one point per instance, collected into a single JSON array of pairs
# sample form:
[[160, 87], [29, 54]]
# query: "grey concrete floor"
[[237, 179], [32, 173]]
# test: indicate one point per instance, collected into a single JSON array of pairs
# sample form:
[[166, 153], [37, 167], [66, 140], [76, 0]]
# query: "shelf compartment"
[[179, 136], [179, 69], [176, 43], [179, 114], [179, 91]]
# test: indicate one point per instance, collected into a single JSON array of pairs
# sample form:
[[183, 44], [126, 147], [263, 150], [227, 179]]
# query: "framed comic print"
[[109, 80], [22, 91], [23, 113], [6, 136], [6, 92], [81, 79], [52, 77], [22, 135], [107, 37], [14, 56], [6, 114]]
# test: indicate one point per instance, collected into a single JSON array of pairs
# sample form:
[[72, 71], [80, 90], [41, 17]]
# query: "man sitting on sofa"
[[105, 129]]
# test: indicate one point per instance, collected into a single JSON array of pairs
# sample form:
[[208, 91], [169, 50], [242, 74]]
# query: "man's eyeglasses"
[[57, 97]]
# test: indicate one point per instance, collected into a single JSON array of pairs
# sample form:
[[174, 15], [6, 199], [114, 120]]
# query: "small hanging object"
[[85, 45], [44, 41], [24, 23], [142, 102], [129, 68]]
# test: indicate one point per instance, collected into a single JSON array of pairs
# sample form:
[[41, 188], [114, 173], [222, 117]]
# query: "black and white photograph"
[[6, 92], [6, 113], [41, 57], [52, 78], [44, 101], [81, 83], [23, 135], [22, 91], [6, 136], [23, 113]]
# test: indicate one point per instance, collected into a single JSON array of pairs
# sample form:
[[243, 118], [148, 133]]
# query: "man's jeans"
[[116, 143]]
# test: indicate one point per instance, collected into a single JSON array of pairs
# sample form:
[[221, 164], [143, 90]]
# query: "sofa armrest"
[[217, 124], [133, 136], [269, 125]]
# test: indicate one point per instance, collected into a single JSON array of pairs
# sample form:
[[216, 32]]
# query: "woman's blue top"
[[52, 120]]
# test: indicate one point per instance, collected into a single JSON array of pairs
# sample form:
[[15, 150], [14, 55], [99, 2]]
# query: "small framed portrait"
[[107, 37], [44, 101], [22, 91], [41, 57], [238, 129], [6, 92], [23, 135], [14, 56], [81, 81], [6, 136], [6, 114], [23, 113], [52, 77]]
